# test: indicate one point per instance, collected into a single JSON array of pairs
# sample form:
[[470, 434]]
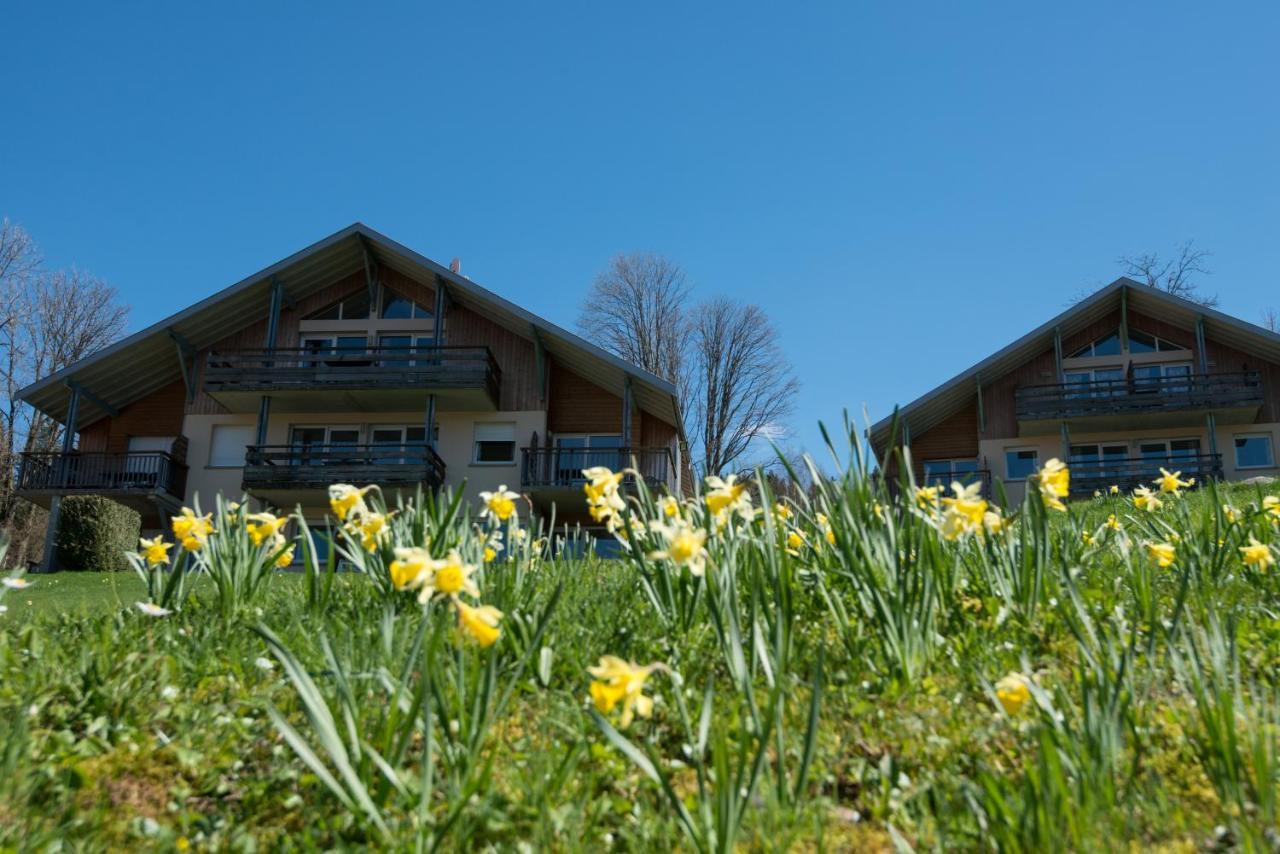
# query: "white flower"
[[151, 609], [168, 692], [16, 583], [4, 609], [264, 663]]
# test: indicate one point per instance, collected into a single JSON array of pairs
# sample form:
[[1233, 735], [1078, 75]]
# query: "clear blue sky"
[[904, 189]]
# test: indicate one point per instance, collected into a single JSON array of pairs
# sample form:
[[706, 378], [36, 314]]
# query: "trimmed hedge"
[[94, 533]]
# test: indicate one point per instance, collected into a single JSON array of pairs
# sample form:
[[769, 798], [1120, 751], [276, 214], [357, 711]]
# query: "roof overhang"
[[148, 360], [936, 405]]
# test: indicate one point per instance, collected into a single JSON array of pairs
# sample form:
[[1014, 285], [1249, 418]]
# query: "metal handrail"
[[1129, 472], [285, 463], [1048, 400], [563, 466], [90, 472]]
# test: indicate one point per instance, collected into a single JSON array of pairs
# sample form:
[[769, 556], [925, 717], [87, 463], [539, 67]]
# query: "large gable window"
[[389, 306], [1141, 342], [1107, 345]]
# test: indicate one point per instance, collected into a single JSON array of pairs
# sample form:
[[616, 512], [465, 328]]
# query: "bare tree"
[[1271, 319], [1176, 275], [48, 320], [638, 310], [744, 388]]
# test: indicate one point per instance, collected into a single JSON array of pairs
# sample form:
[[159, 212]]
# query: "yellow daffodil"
[[782, 512], [1114, 490], [878, 509], [794, 541], [346, 500], [965, 511], [1271, 504], [490, 554], [1257, 554], [1231, 514], [449, 577], [603, 499], [1113, 523], [18, 583], [500, 504], [668, 506], [372, 528], [1013, 692], [480, 624], [151, 609], [192, 530], [617, 681], [264, 526], [411, 568], [926, 497], [1172, 482], [1055, 484], [993, 522], [1097, 493], [726, 496], [1086, 537], [285, 558], [155, 551], [1163, 554], [684, 545], [1145, 499]]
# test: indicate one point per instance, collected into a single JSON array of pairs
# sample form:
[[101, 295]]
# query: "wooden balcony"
[[1137, 402], [289, 474], [1128, 473], [371, 379], [143, 480], [554, 475]]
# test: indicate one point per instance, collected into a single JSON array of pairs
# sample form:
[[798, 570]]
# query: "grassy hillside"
[[850, 673]]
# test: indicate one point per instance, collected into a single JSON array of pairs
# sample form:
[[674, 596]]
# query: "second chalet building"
[[1126, 381], [355, 360]]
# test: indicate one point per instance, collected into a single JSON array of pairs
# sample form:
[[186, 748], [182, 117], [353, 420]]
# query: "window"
[[1020, 464], [1094, 460], [1141, 342], [575, 453], [318, 446], [943, 472], [1254, 452], [408, 440], [1168, 451], [399, 350], [354, 307], [341, 350], [1107, 345], [1094, 382], [396, 307], [227, 444], [495, 442], [1151, 379]]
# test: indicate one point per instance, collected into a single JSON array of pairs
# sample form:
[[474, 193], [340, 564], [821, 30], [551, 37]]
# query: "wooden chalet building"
[[355, 360], [1124, 382]]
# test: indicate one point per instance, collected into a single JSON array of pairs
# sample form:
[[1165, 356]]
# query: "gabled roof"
[[147, 360], [934, 406]]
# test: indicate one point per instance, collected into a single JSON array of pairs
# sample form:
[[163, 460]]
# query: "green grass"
[[1152, 722]]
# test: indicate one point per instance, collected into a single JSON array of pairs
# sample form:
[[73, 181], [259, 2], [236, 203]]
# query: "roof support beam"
[[1066, 442], [186, 353], [370, 271], [1204, 357], [442, 298], [1124, 318], [982, 415], [540, 362], [78, 391], [1057, 352], [627, 406]]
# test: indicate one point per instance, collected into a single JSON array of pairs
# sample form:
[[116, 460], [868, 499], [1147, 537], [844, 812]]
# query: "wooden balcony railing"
[[1138, 394], [56, 473], [544, 467], [319, 466], [1131, 472], [378, 367]]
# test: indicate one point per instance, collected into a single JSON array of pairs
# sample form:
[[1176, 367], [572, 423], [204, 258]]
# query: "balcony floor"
[[356, 399], [1150, 420]]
